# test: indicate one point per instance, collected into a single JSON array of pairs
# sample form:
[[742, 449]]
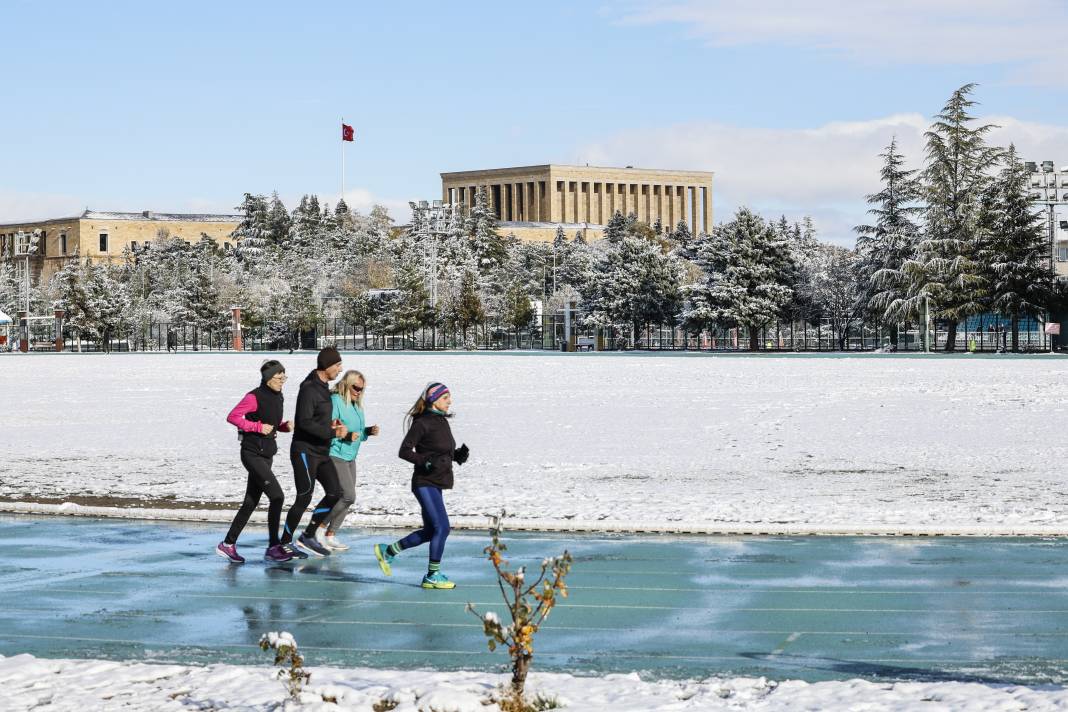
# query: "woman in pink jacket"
[[258, 419]]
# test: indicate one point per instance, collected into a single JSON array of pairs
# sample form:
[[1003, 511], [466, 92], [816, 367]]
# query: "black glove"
[[367, 431], [460, 454]]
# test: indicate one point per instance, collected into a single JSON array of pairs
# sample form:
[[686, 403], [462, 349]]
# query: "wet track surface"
[[812, 608]]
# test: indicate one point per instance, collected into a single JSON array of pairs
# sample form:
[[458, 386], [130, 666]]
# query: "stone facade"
[[103, 236], [532, 201]]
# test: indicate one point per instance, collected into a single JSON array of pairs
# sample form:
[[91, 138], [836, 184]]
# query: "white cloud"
[[824, 172], [1024, 32]]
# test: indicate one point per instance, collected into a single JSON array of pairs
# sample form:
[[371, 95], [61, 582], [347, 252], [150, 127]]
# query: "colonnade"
[[585, 201]]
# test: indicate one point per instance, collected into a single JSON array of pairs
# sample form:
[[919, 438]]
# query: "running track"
[[812, 608]]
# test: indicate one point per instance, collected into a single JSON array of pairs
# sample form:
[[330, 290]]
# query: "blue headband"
[[435, 391]]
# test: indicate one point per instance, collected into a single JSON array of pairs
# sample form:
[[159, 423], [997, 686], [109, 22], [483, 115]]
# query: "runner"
[[430, 447], [258, 419], [347, 402], [310, 453]]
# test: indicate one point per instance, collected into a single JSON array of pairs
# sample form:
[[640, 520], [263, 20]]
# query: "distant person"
[[431, 448], [347, 407], [258, 419], [172, 341], [313, 433]]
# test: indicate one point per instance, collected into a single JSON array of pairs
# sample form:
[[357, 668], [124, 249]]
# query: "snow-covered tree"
[[487, 245], [252, 233], [885, 246], [747, 272], [1014, 251], [946, 273], [633, 282]]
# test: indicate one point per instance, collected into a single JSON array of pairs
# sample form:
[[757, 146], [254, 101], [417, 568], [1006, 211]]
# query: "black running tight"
[[307, 470], [260, 480]]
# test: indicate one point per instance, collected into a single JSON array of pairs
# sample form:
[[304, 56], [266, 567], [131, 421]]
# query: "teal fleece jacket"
[[352, 416]]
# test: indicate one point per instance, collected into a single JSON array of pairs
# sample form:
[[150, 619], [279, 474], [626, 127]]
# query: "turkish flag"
[[346, 132]]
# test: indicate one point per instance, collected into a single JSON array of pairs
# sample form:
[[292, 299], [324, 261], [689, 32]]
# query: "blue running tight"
[[435, 523]]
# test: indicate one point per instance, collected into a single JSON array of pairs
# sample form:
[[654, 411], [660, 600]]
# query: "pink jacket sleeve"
[[237, 415]]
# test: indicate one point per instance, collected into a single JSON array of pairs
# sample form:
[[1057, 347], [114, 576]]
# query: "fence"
[[784, 336]]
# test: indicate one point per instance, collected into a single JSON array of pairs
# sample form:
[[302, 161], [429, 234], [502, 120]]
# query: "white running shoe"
[[332, 542]]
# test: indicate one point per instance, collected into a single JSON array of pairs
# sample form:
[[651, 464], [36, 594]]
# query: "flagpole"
[[342, 160]]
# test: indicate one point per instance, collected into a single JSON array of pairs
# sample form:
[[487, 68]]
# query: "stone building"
[[532, 201], [103, 236]]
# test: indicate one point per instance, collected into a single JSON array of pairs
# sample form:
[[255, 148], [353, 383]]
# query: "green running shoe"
[[437, 580], [384, 558]]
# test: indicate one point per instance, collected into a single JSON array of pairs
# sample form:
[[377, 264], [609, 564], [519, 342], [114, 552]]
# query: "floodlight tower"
[[430, 222]]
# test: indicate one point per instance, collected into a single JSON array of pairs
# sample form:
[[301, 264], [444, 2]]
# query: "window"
[[103, 242], [1062, 254], [133, 246], [62, 243], [227, 246]]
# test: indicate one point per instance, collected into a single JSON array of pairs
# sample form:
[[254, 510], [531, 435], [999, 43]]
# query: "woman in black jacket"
[[431, 449]]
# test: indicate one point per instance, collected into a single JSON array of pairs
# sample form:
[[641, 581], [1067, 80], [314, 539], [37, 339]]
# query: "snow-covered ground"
[[28, 683], [586, 441]]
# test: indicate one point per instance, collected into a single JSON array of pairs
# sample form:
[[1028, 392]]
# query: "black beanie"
[[327, 358], [270, 369]]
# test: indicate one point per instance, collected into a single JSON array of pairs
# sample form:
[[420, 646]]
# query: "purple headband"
[[435, 391]]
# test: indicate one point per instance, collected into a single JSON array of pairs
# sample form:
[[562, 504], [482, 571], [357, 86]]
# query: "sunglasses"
[[356, 388]]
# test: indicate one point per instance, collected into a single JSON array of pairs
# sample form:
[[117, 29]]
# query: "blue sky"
[[185, 106]]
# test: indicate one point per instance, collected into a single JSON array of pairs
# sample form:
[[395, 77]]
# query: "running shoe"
[[312, 545], [384, 558], [333, 543], [294, 551], [277, 553], [229, 551], [437, 580]]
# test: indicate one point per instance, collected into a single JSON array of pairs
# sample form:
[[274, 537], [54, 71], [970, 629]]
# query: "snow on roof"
[[162, 217]]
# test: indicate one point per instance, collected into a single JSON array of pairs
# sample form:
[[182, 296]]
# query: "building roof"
[[555, 167], [88, 214], [162, 217]]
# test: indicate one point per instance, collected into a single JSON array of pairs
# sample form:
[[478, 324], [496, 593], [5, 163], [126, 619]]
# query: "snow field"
[[586, 441]]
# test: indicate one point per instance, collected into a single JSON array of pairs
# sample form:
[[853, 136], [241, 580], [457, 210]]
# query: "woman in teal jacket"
[[347, 402]]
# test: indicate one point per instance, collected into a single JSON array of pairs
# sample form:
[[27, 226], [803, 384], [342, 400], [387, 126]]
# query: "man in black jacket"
[[310, 453]]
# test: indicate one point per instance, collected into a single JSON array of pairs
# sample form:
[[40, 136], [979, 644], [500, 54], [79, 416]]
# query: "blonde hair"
[[342, 387]]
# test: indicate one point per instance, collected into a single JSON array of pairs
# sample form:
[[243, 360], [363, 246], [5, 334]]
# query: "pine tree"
[[946, 273], [251, 234], [278, 221], [633, 281], [1014, 250], [885, 247], [748, 271], [486, 243]]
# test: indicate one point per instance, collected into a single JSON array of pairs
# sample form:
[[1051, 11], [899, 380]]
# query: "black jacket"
[[429, 439], [312, 431]]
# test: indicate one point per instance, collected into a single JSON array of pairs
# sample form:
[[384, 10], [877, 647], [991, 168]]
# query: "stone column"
[[537, 200], [706, 221], [59, 329], [588, 217], [660, 205], [528, 201], [445, 194], [693, 210]]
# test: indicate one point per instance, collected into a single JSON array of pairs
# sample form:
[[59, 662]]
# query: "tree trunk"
[[754, 338], [951, 336], [519, 674]]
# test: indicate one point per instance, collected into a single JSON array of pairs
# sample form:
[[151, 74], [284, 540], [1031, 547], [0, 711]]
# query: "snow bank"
[[30, 683]]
